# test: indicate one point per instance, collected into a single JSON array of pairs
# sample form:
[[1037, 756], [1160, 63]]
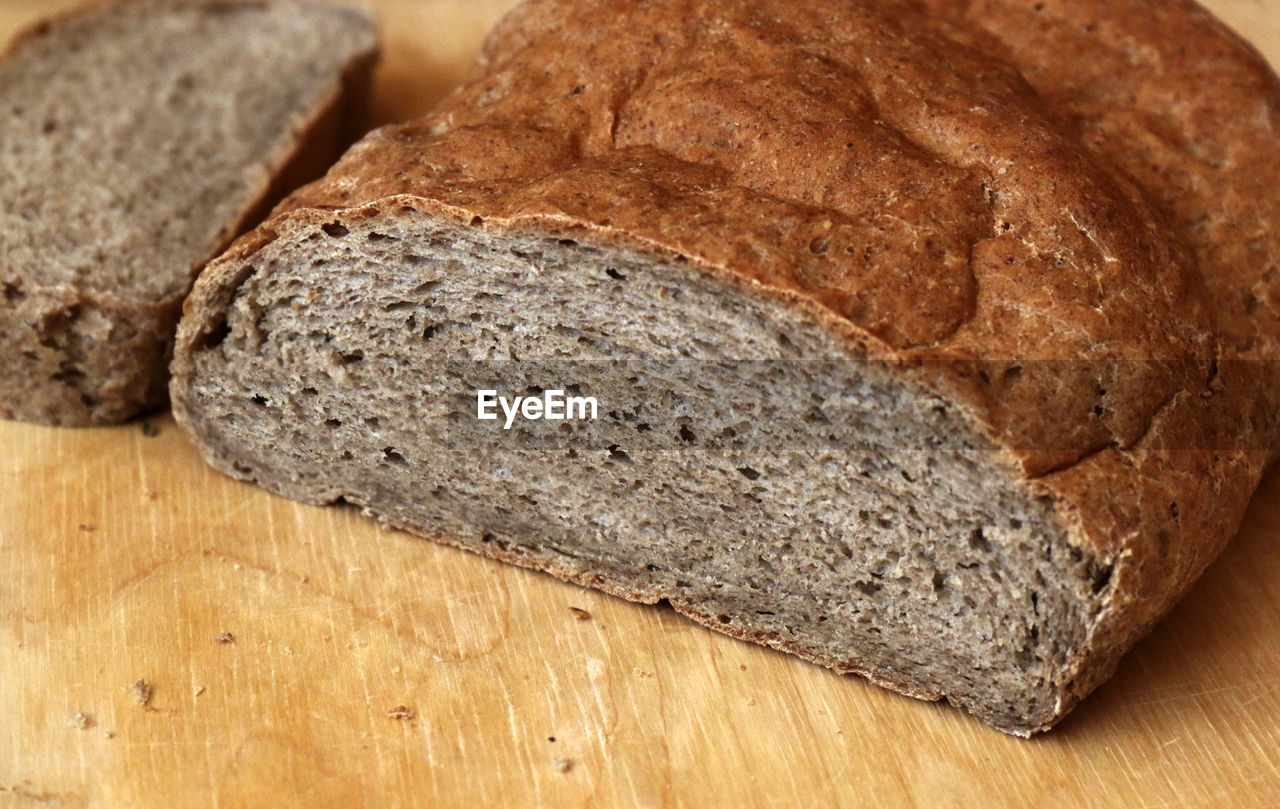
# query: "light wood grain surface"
[[299, 656]]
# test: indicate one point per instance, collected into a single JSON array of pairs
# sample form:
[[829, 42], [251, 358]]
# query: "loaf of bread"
[[929, 340], [137, 139]]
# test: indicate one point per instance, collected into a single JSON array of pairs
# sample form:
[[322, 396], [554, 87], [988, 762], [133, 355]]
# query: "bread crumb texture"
[[1036, 239]]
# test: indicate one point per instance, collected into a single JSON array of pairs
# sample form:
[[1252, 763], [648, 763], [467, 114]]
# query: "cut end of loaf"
[[136, 140], [748, 464]]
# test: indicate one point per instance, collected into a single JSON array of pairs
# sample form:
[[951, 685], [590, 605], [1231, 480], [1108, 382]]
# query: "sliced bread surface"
[[136, 140], [920, 350]]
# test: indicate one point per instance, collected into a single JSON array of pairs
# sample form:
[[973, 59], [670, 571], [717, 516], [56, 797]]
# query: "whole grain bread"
[[137, 139], [933, 340]]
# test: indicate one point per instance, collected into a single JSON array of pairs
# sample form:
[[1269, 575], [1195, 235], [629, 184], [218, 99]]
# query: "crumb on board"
[[108, 734], [225, 637], [80, 721], [149, 430], [197, 691], [87, 526], [562, 764], [580, 614], [141, 691], [401, 713]]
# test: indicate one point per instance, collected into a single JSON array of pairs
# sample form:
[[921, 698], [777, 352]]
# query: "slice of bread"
[[933, 341], [136, 140]]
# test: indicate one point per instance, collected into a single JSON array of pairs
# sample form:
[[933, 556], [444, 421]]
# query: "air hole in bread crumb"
[[394, 457], [1102, 578], [686, 434], [749, 473], [979, 542], [724, 619], [333, 423], [335, 229], [260, 401], [213, 337], [616, 454], [614, 274]]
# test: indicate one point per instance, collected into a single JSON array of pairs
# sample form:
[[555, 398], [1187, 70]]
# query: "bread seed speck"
[[580, 614], [401, 713], [80, 721], [141, 691]]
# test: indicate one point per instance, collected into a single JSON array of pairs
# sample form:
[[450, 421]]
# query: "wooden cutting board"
[[299, 656]]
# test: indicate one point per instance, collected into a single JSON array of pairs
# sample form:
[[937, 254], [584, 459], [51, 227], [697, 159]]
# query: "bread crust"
[[78, 357], [1020, 216]]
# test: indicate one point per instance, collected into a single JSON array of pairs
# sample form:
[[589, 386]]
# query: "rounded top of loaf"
[[1080, 193]]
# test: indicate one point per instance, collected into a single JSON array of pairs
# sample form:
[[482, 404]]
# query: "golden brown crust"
[[1073, 239], [852, 163]]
